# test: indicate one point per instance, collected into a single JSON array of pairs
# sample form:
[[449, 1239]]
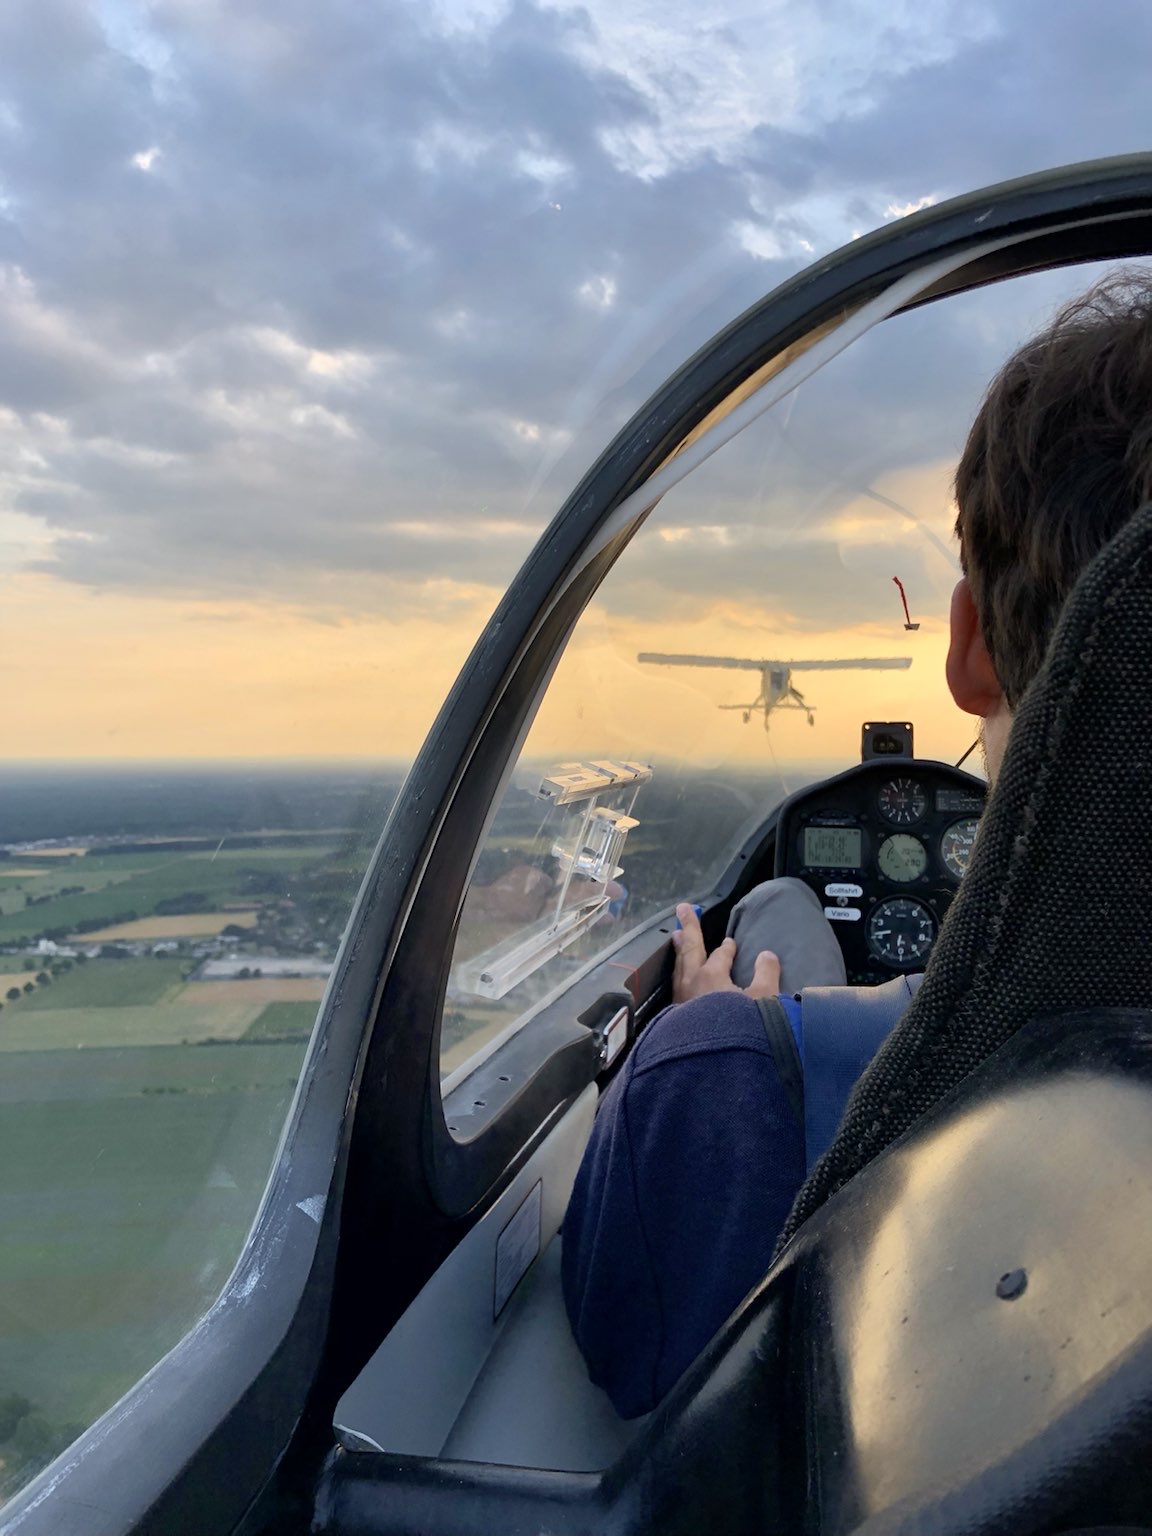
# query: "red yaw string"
[[904, 600]]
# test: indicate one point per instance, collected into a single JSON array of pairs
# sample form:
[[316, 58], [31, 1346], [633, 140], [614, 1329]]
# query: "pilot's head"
[[1058, 459]]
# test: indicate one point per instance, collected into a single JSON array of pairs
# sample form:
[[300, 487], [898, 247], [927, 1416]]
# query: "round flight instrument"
[[902, 857], [957, 844], [901, 931], [902, 802]]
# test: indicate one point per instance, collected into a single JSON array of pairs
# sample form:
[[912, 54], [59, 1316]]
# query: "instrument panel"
[[884, 846]]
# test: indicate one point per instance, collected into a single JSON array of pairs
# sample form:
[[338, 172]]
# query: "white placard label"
[[842, 914], [844, 890], [615, 1037], [517, 1246]]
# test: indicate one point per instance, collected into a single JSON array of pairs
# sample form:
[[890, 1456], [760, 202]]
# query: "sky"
[[310, 317]]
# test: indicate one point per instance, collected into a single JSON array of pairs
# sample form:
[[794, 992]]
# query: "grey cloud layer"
[[294, 292]]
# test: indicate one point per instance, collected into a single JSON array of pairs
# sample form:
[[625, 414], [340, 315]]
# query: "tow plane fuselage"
[[777, 690]]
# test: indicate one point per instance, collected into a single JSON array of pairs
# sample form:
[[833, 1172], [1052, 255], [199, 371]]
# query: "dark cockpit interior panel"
[[884, 846]]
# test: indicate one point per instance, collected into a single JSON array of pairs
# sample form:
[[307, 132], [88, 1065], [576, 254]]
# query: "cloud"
[[712, 79], [329, 304], [902, 210]]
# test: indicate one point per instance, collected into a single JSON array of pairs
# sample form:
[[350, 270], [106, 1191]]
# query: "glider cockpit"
[[508, 1385], [390, 1355]]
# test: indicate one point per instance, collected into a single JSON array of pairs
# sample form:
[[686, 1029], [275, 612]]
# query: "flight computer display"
[[832, 847], [959, 800]]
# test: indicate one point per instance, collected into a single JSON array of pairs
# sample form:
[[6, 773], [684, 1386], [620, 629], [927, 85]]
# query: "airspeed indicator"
[[957, 844]]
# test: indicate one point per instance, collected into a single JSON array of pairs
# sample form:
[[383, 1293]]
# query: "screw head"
[[1012, 1284]]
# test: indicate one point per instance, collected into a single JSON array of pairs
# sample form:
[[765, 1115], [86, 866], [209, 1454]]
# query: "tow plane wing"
[[776, 687]]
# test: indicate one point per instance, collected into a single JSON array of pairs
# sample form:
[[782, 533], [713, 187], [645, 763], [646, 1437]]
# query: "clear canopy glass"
[[794, 587]]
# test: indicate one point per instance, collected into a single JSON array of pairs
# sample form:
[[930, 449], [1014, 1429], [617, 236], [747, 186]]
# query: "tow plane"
[[777, 690]]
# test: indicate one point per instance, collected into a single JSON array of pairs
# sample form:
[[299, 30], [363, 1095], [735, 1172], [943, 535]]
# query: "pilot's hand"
[[698, 972]]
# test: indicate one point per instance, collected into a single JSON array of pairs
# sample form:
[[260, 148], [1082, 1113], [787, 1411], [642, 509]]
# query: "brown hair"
[[1058, 459]]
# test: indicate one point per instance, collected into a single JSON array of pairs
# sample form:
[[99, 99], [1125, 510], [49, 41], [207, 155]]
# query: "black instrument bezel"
[[852, 799]]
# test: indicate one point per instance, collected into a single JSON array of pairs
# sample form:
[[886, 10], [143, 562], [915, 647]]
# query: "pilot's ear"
[[971, 676]]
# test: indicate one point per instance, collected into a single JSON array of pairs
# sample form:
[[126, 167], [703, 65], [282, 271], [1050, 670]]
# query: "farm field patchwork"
[[136, 882], [283, 1021], [189, 925], [132, 1163], [114, 1003], [93, 1029], [108, 984], [71, 851], [265, 989], [14, 979], [92, 875]]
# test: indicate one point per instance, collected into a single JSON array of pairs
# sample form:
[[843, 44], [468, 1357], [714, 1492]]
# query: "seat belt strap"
[[785, 1054]]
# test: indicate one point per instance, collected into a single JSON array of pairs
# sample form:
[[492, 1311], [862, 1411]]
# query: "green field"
[[107, 1003], [139, 1117], [92, 874], [136, 882], [90, 1029], [116, 1003], [126, 1192], [284, 1021], [106, 984]]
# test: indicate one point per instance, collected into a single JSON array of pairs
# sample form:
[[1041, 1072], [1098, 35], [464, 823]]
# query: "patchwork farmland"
[[140, 1105]]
